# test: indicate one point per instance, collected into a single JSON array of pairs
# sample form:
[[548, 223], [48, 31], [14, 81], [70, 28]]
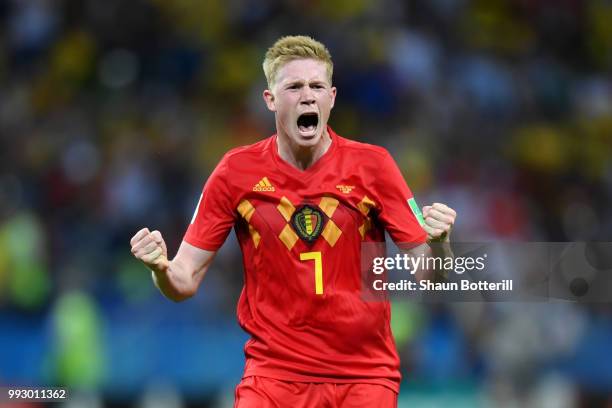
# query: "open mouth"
[[307, 123]]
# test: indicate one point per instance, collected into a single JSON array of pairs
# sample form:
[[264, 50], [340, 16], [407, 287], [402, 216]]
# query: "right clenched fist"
[[150, 248]]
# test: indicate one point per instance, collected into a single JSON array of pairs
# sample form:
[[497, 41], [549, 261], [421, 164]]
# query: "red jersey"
[[300, 232]]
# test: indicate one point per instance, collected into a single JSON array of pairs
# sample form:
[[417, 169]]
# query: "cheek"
[[283, 111], [284, 115], [326, 99], [284, 107], [326, 104]]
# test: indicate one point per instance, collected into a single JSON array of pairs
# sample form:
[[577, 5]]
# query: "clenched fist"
[[150, 248], [439, 220]]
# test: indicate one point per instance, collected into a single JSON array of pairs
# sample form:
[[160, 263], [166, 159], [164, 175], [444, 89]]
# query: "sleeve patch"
[[416, 211]]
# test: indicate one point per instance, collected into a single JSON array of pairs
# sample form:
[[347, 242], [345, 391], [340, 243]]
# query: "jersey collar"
[[281, 163]]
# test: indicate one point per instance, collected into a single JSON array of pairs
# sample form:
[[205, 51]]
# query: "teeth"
[[309, 129]]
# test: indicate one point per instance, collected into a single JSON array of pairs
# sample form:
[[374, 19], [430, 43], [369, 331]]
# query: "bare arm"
[[437, 250], [439, 220], [178, 279]]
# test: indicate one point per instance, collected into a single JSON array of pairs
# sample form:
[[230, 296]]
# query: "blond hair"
[[290, 48]]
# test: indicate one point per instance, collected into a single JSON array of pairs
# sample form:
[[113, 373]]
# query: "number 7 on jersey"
[[318, 264]]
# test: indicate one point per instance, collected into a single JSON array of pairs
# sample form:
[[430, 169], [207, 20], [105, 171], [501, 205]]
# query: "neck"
[[302, 157]]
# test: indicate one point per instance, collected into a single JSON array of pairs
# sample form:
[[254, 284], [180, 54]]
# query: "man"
[[302, 202]]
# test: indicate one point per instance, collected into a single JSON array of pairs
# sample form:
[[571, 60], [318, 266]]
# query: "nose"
[[307, 97]]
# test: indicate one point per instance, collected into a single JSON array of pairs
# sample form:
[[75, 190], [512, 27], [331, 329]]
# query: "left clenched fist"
[[439, 219]]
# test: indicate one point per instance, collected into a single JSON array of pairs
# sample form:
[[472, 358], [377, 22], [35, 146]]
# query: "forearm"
[[443, 251], [440, 250], [178, 279], [173, 280]]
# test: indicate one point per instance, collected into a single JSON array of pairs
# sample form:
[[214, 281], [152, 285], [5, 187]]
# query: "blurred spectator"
[[112, 115]]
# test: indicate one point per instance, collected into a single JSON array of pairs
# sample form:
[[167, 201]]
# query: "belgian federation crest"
[[308, 222]]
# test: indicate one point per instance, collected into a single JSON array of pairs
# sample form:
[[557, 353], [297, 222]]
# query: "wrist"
[[441, 248], [160, 266]]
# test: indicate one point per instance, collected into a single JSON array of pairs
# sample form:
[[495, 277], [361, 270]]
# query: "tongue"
[[308, 128]]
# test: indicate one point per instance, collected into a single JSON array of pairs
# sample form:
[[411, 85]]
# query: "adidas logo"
[[263, 185]]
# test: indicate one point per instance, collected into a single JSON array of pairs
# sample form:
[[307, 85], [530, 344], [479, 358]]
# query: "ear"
[[269, 99], [333, 91]]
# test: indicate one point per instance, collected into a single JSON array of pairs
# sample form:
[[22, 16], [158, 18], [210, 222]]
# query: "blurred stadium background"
[[113, 113]]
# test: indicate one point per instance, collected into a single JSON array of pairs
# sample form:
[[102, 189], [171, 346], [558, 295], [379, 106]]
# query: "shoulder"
[[246, 151], [248, 154], [362, 150]]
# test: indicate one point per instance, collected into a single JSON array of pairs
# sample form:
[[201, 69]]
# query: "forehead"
[[305, 69]]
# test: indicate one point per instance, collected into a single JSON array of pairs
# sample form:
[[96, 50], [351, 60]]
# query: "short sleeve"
[[396, 212], [214, 215]]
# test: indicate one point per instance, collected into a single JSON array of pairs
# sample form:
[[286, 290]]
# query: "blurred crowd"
[[113, 114]]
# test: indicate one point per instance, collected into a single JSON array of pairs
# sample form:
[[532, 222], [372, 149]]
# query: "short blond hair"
[[290, 48]]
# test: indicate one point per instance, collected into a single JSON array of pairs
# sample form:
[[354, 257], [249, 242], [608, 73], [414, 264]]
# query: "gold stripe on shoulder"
[[246, 209]]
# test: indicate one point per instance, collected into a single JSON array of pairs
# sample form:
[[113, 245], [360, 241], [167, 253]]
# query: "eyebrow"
[[301, 81]]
